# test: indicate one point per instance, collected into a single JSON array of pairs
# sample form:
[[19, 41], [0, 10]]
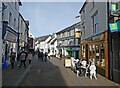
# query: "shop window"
[[102, 54], [100, 57], [83, 51], [97, 55]]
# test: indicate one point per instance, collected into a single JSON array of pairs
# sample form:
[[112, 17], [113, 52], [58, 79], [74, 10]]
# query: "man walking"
[[22, 57]]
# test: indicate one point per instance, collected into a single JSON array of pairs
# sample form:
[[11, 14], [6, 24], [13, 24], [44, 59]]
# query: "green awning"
[[69, 49]]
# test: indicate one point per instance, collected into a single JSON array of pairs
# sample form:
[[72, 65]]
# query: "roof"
[[49, 40], [83, 6], [42, 38], [68, 28], [53, 41]]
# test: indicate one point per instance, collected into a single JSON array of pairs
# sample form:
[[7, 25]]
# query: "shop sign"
[[115, 27], [10, 37], [113, 7], [98, 37], [77, 35]]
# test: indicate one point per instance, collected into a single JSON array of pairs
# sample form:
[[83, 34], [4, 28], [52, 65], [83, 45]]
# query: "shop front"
[[9, 37], [96, 47]]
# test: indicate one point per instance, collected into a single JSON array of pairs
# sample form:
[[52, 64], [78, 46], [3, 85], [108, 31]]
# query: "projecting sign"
[[113, 7], [113, 27]]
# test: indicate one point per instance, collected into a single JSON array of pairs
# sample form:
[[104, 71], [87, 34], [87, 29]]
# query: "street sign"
[[113, 27], [113, 7]]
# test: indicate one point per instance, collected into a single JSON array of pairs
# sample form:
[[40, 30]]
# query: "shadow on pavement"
[[43, 74]]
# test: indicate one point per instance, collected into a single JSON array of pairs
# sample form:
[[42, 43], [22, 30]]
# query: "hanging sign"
[[115, 27], [113, 7]]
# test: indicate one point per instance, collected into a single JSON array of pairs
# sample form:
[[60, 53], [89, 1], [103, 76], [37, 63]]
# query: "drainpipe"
[[110, 59]]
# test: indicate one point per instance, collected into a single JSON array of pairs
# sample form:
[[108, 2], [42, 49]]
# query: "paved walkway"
[[50, 73], [85, 81], [12, 77]]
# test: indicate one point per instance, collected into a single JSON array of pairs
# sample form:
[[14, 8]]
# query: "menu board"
[[67, 62]]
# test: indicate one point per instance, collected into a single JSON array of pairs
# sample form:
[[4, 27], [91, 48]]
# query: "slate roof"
[[42, 38]]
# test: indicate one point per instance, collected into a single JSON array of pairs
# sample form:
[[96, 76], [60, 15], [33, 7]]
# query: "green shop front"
[[73, 52]]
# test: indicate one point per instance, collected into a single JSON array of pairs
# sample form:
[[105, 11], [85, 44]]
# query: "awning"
[[11, 35], [69, 49]]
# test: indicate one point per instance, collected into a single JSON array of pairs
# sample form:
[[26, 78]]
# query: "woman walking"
[[29, 57]]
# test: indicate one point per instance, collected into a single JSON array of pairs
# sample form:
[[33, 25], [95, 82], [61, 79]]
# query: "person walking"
[[12, 59], [22, 56], [46, 56], [39, 55], [42, 56], [29, 57]]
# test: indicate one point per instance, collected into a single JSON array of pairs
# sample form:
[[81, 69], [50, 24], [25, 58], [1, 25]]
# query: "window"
[[95, 23], [10, 18], [93, 3], [84, 31], [3, 11], [15, 4], [14, 23]]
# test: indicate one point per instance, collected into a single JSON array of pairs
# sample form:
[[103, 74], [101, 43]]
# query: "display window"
[[98, 53]]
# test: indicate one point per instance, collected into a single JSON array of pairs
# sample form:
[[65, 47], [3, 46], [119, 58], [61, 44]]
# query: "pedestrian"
[[39, 55], [22, 56], [29, 57], [12, 59], [45, 56], [42, 56]]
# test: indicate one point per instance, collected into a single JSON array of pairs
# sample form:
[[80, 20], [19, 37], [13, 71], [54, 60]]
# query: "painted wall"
[[86, 18]]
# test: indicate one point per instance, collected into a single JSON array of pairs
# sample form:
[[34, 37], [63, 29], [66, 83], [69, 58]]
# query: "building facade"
[[52, 45], [31, 42], [41, 43], [95, 36], [10, 28], [23, 33], [68, 41], [1, 43]]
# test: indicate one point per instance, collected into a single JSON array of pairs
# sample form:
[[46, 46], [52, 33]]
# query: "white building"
[[41, 43], [53, 45]]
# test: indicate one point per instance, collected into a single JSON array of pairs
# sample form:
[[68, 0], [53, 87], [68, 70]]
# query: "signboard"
[[113, 27], [77, 34], [113, 7], [10, 37], [67, 62]]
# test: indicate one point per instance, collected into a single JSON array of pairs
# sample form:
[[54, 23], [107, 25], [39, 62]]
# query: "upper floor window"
[[15, 4], [3, 11], [93, 3], [10, 18], [14, 23], [95, 22]]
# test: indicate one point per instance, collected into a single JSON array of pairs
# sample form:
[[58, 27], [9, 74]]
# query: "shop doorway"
[[115, 66]]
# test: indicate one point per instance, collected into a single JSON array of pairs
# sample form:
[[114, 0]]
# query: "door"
[[115, 58]]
